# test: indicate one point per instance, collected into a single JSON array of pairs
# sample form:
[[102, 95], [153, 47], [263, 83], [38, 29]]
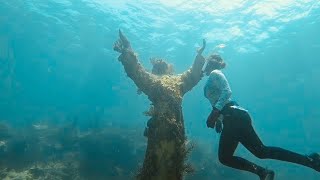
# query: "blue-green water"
[[57, 64]]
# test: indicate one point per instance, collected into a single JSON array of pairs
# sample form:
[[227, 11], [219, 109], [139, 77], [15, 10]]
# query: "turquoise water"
[[57, 63]]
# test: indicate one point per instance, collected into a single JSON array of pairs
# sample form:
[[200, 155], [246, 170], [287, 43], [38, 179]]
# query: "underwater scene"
[[159, 90]]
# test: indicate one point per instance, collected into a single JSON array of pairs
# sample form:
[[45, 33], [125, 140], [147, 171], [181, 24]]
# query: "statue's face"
[[161, 68]]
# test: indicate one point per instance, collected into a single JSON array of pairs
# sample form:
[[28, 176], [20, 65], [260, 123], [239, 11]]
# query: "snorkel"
[[215, 50]]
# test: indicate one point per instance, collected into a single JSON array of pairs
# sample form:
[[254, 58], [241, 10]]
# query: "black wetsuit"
[[237, 127]]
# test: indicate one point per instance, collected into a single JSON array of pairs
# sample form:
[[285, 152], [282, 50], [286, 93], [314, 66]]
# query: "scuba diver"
[[235, 125]]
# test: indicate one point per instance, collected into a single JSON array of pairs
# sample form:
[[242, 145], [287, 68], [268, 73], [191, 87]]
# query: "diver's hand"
[[212, 119], [210, 123], [122, 43], [219, 126], [200, 50]]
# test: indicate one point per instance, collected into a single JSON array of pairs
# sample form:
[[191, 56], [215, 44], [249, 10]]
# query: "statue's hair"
[[161, 67]]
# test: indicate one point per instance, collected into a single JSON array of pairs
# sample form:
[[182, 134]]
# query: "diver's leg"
[[252, 142], [227, 145]]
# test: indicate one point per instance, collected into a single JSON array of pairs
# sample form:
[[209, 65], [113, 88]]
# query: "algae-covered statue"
[[166, 149]]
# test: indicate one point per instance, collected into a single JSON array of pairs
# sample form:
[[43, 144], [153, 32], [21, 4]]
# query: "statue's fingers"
[[123, 37], [117, 46], [124, 41], [120, 34], [200, 50]]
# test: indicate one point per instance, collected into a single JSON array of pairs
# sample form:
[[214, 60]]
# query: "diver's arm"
[[206, 90], [132, 66], [193, 75], [225, 92], [219, 100]]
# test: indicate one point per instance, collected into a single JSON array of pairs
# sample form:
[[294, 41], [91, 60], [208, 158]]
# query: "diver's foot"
[[267, 175], [315, 161]]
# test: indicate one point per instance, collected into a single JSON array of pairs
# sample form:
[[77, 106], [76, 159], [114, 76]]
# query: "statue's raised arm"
[[132, 66], [192, 76]]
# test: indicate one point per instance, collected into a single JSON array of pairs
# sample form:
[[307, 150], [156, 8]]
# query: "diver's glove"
[[210, 123], [212, 118], [219, 126]]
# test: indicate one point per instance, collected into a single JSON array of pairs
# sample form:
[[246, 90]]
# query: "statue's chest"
[[171, 85]]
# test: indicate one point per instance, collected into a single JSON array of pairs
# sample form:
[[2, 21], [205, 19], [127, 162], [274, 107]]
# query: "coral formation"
[[110, 153], [51, 170], [63, 153]]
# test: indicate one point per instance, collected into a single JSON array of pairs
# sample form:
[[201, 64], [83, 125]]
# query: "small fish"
[[58, 146], [119, 171], [115, 88], [40, 126], [2, 143], [220, 46]]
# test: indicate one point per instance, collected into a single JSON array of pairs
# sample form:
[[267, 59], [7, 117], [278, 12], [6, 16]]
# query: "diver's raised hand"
[[200, 50], [122, 43]]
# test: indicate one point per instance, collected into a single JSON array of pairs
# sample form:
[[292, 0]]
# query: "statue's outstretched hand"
[[122, 43], [200, 50]]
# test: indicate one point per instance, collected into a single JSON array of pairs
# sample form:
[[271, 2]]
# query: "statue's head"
[[161, 67], [214, 61]]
